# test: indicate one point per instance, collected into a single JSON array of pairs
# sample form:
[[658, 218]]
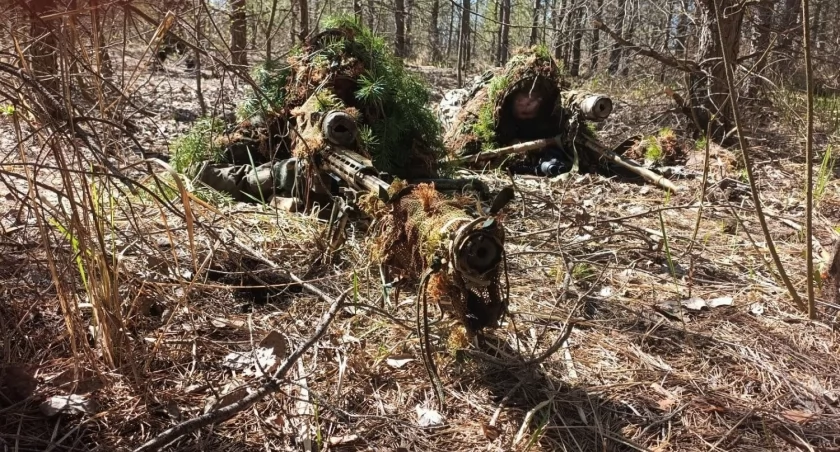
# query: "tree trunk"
[[451, 31], [681, 35], [473, 34], [409, 26], [434, 32], [596, 39], [371, 13], [43, 53], [630, 30], [357, 11], [761, 36], [615, 54], [269, 32], [709, 87], [399, 24], [504, 39], [577, 37], [238, 33], [666, 46], [535, 21], [464, 41], [816, 26], [304, 19], [563, 44], [494, 43], [294, 21]]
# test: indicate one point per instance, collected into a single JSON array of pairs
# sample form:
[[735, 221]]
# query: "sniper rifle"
[[594, 107], [340, 132]]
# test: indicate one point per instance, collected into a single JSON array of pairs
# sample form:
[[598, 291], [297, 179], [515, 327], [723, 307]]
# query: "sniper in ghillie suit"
[[526, 117], [342, 90]]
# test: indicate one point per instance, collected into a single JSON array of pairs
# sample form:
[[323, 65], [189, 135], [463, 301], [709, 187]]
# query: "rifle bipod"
[[338, 221]]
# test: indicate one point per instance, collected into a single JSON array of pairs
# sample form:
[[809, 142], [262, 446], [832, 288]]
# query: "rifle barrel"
[[356, 171]]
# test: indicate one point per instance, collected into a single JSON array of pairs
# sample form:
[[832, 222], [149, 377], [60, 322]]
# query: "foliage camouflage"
[[484, 123], [346, 67], [417, 228]]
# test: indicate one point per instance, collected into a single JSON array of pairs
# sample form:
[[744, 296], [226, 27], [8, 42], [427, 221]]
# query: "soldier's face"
[[526, 106]]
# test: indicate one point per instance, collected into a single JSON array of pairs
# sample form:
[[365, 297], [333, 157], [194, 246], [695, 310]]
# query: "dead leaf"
[[237, 360], [800, 417], [230, 398], [720, 301], [695, 304], [345, 439], [398, 361], [491, 432], [263, 360], [666, 404], [428, 418], [69, 404], [275, 341]]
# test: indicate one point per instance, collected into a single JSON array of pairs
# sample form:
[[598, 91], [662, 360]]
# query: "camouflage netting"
[[346, 68], [485, 120], [419, 229]]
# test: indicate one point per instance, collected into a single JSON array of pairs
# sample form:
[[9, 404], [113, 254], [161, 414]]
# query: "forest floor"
[[683, 337]]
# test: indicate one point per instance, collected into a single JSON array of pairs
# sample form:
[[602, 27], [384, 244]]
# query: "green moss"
[[701, 144], [326, 101], [666, 132], [498, 86], [198, 145], [653, 151], [485, 126], [582, 271]]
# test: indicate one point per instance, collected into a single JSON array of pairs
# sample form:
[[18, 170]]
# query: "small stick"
[[518, 148], [650, 176], [270, 386]]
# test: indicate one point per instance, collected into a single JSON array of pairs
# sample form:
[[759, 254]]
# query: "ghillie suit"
[[457, 256], [344, 69], [526, 100]]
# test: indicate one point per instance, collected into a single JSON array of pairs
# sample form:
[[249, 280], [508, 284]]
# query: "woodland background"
[[640, 320]]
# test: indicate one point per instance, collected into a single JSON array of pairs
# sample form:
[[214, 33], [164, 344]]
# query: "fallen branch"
[[518, 148], [650, 176], [272, 385]]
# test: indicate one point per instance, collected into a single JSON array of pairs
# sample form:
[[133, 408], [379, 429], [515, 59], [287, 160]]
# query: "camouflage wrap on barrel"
[[419, 228]]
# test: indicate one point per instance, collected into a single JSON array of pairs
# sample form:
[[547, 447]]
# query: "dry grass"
[[635, 374]]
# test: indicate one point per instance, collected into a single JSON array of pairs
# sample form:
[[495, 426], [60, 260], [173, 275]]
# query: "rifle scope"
[[339, 128]]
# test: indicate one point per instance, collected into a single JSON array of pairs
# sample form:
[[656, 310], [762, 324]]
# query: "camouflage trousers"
[[246, 183]]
